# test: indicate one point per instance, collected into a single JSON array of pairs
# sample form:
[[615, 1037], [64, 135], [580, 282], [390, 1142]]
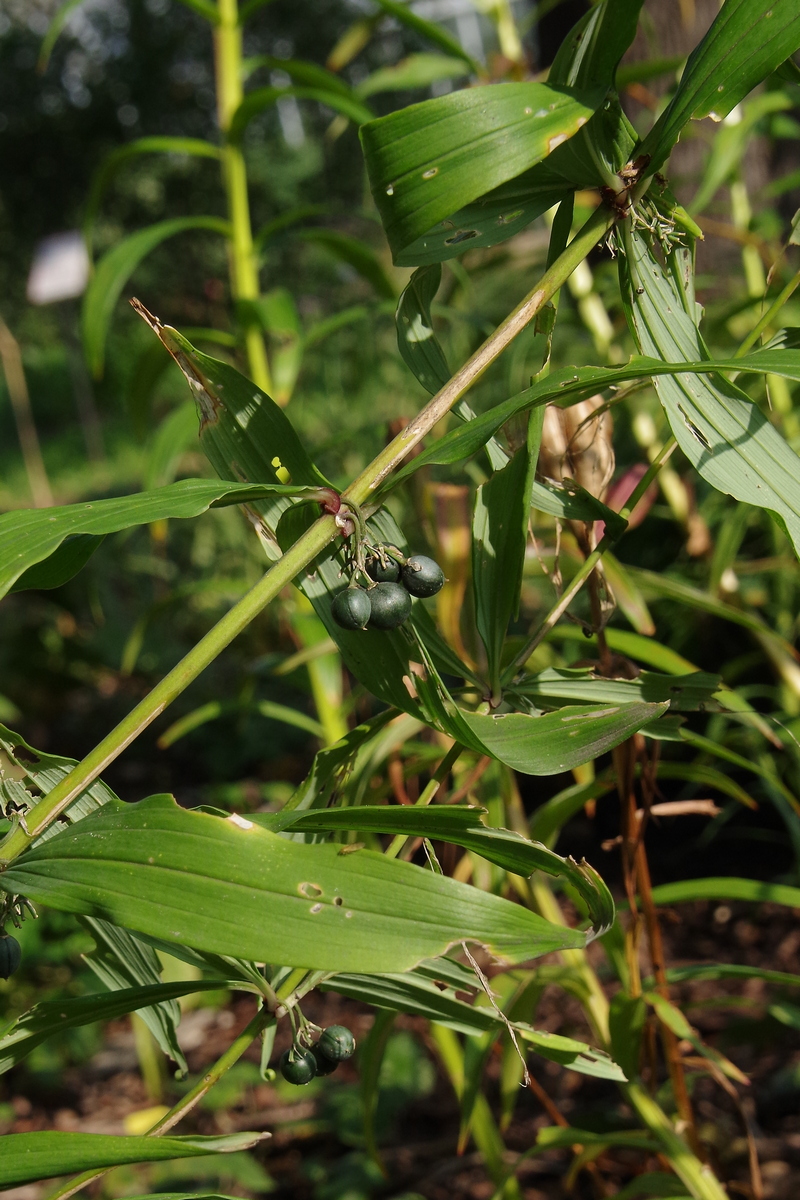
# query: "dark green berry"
[[391, 605], [351, 608], [388, 573], [10, 955], [422, 576], [336, 1043], [298, 1066], [325, 1066]]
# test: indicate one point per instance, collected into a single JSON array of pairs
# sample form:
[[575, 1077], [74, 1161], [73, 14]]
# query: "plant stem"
[[11, 361], [774, 308], [588, 566], [243, 260], [187, 1102], [237, 619], [303, 552], [430, 790], [698, 1178], [389, 459]]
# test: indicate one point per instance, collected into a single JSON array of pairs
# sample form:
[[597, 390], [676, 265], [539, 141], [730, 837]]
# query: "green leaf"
[[420, 996], [276, 313], [299, 71], [427, 161], [626, 1019], [712, 888], [29, 1157], [261, 99], [159, 144], [29, 536], [428, 30], [415, 71], [115, 269], [52, 1016], [121, 961], [27, 773], [243, 432], [499, 541], [229, 887], [714, 971], [561, 740], [653, 1184], [591, 51], [557, 1135], [64, 563], [461, 827], [746, 42], [722, 432], [729, 145], [174, 436], [685, 693], [570, 385], [357, 254], [420, 348], [54, 29]]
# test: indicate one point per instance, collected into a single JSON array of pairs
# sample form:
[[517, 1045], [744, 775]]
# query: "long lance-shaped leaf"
[[713, 888], [229, 887], [721, 431], [31, 536], [415, 71], [243, 432], [685, 693], [418, 996], [534, 745], [261, 99], [115, 269], [746, 42], [499, 538], [427, 30], [159, 144], [29, 1157], [429, 160], [572, 384], [27, 773], [33, 1027], [462, 827]]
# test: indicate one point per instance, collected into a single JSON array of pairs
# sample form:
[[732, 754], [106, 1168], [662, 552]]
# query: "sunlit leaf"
[[746, 42], [427, 161], [229, 887]]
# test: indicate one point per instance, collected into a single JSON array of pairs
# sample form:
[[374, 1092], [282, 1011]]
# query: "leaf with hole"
[[230, 887]]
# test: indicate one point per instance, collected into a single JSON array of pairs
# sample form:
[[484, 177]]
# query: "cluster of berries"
[[335, 1045], [10, 955], [386, 603]]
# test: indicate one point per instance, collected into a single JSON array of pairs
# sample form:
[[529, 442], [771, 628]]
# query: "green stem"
[[304, 551], [243, 260], [432, 787], [585, 240], [187, 1102], [774, 308], [698, 1178], [171, 686], [588, 565]]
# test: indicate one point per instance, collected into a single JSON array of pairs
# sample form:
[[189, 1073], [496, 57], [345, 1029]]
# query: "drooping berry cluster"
[[299, 1065], [385, 603]]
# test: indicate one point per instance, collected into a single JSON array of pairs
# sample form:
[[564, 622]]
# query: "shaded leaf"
[[405, 14], [712, 888], [415, 71], [722, 432], [357, 254], [29, 536], [259, 100], [230, 887], [115, 269], [29, 1157], [52, 1016], [685, 693]]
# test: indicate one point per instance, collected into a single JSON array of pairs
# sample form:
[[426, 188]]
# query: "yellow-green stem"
[[243, 260]]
